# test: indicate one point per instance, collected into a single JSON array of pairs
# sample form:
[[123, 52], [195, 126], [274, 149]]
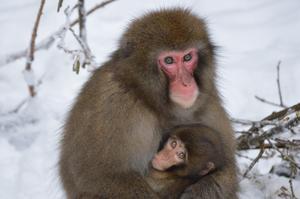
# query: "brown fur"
[[122, 112], [203, 146]]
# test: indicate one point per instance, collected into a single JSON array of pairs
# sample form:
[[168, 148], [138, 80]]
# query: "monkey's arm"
[[218, 185], [166, 185], [107, 144]]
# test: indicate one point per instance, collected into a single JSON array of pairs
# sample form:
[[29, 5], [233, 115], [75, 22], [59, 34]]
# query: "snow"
[[253, 36]]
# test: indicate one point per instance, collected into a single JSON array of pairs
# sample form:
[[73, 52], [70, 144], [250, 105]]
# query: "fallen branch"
[[281, 144], [282, 113], [274, 124], [261, 152], [262, 136], [283, 156]]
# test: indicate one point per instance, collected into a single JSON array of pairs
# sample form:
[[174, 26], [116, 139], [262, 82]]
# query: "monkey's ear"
[[126, 48]]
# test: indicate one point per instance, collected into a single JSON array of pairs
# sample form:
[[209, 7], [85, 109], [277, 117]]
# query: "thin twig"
[[49, 41], [268, 102], [252, 123], [261, 152], [282, 113], [283, 156], [281, 104], [82, 19], [281, 144], [60, 3], [82, 44], [284, 119], [278, 84], [252, 138], [24, 101], [83, 56], [244, 156], [292, 189], [96, 7], [18, 107], [30, 56]]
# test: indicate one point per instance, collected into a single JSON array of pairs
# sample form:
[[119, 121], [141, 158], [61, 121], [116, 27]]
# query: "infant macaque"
[[175, 153], [189, 153]]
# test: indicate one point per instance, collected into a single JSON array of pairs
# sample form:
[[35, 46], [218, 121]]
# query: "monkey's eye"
[[187, 57], [169, 60], [181, 155], [173, 144]]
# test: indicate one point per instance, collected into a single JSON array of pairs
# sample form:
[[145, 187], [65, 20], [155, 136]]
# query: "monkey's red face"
[[179, 67]]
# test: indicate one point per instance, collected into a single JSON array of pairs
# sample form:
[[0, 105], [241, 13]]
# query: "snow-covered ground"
[[253, 35]]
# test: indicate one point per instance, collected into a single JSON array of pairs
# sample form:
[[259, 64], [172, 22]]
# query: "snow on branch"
[[277, 133], [271, 134], [82, 57], [49, 41], [271, 125]]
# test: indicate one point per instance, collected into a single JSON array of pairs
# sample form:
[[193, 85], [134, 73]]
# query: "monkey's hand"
[[210, 166]]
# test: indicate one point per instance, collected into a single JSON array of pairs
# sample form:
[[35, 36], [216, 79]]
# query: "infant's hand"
[[210, 166]]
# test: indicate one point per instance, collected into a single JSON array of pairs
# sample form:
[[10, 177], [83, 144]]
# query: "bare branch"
[[281, 105], [261, 152], [281, 144], [82, 19], [83, 56], [278, 84], [292, 189], [30, 56], [251, 139], [60, 3], [268, 102], [43, 45], [284, 157], [96, 7], [49, 41], [269, 126], [252, 123], [282, 113]]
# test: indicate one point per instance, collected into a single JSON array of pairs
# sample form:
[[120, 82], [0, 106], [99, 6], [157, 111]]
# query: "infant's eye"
[[181, 155], [173, 144]]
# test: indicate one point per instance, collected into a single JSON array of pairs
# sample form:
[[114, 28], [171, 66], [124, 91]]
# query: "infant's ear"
[[210, 166]]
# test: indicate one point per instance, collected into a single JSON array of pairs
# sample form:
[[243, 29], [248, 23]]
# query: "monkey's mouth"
[[156, 166], [185, 99], [184, 91]]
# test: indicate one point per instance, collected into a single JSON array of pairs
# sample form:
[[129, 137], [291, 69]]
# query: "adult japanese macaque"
[[187, 155], [162, 75]]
